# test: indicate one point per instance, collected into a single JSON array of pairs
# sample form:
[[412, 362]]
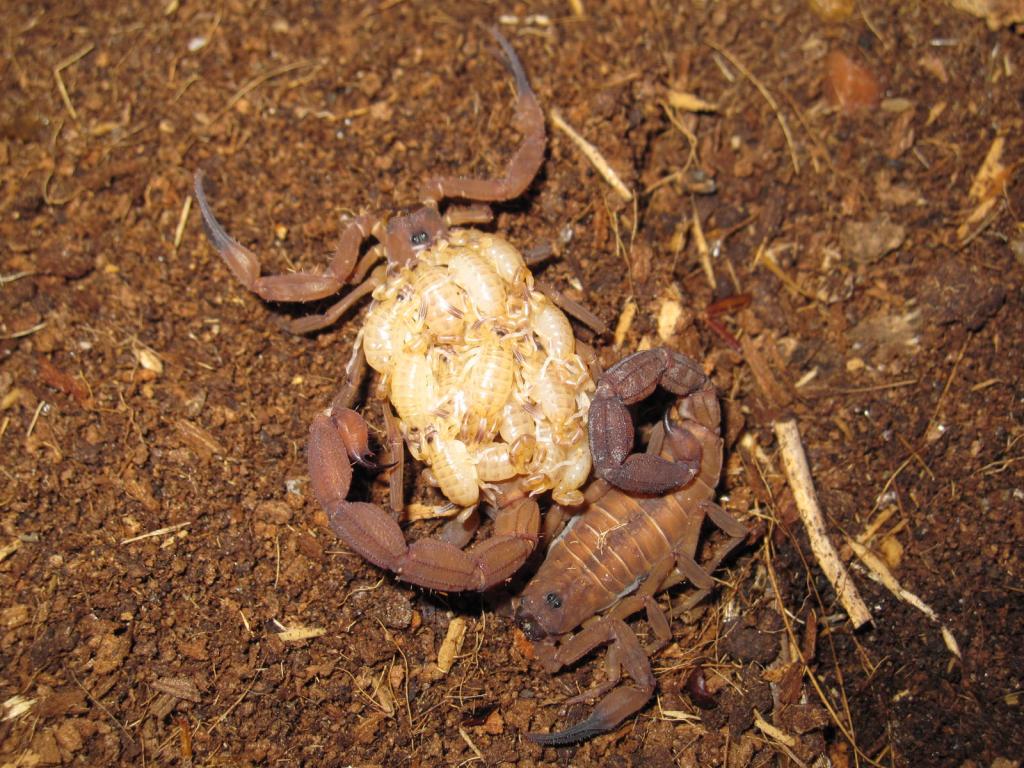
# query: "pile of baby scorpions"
[[496, 395]]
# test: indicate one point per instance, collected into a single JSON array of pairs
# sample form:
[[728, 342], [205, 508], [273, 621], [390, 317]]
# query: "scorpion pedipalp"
[[611, 426]]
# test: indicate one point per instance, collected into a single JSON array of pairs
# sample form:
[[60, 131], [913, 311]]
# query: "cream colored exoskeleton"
[[483, 371]]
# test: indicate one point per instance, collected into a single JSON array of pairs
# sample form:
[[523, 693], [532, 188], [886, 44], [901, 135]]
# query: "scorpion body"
[[624, 548]]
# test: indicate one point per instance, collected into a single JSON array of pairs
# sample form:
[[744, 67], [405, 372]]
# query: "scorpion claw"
[[645, 474], [366, 462], [611, 427]]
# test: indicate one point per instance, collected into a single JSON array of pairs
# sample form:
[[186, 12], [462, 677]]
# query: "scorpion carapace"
[[622, 548], [481, 367]]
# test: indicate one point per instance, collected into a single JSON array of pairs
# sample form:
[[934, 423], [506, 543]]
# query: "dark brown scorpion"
[[630, 543]]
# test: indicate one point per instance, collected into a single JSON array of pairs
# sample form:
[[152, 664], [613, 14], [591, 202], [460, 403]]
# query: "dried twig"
[[472, 746], [593, 155], [4, 279], [235, 703], [35, 418], [799, 475], [702, 247], [179, 231], [772, 732], [60, 80], [157, 532], [880, 572], [27, 332]]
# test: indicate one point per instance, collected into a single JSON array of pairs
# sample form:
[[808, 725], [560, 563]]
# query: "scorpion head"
[[550, 608], [410, 231]]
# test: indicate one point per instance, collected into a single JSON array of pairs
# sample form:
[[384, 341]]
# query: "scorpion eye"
[[418, 238], [553, 600]]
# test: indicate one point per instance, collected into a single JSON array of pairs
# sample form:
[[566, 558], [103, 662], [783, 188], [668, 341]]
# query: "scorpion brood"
[[483, 371]]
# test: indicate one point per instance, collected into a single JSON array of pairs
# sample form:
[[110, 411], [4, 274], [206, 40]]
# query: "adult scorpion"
[[629, 542]]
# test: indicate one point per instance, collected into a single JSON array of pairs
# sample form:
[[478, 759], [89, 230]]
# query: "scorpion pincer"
[[629, 541]]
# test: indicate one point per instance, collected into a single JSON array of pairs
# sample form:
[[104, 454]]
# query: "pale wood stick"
[[799, 474]]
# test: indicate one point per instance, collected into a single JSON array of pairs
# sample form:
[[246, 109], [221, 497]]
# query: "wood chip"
[[16, 706], [452, 644], [9, 549], [179, 687], [996, 13], [625, 321], [149, 360], [690, 102], [668, 318], [201, 442], [987, 187], [295, 634]]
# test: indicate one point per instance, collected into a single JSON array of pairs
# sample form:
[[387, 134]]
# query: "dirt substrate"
[[170, 593]]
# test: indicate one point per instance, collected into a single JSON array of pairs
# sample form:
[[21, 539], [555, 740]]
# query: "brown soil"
[[141, 389]]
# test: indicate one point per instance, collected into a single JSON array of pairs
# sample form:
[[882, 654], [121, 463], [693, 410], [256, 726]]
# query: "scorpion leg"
[[316, 322], [355, 368], [572, 307], [461, 528], [396, 458], [529, 121], [611, 426], [298, 286], [621, 702]]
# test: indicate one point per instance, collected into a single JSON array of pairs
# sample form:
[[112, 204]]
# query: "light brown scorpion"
[[629, 543], [626, 543]]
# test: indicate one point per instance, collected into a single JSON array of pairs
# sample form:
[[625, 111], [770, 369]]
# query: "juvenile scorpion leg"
[[611, 426], [529, 121]]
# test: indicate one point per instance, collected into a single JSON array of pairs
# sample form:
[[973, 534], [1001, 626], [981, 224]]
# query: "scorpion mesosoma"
[[623, 548]]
